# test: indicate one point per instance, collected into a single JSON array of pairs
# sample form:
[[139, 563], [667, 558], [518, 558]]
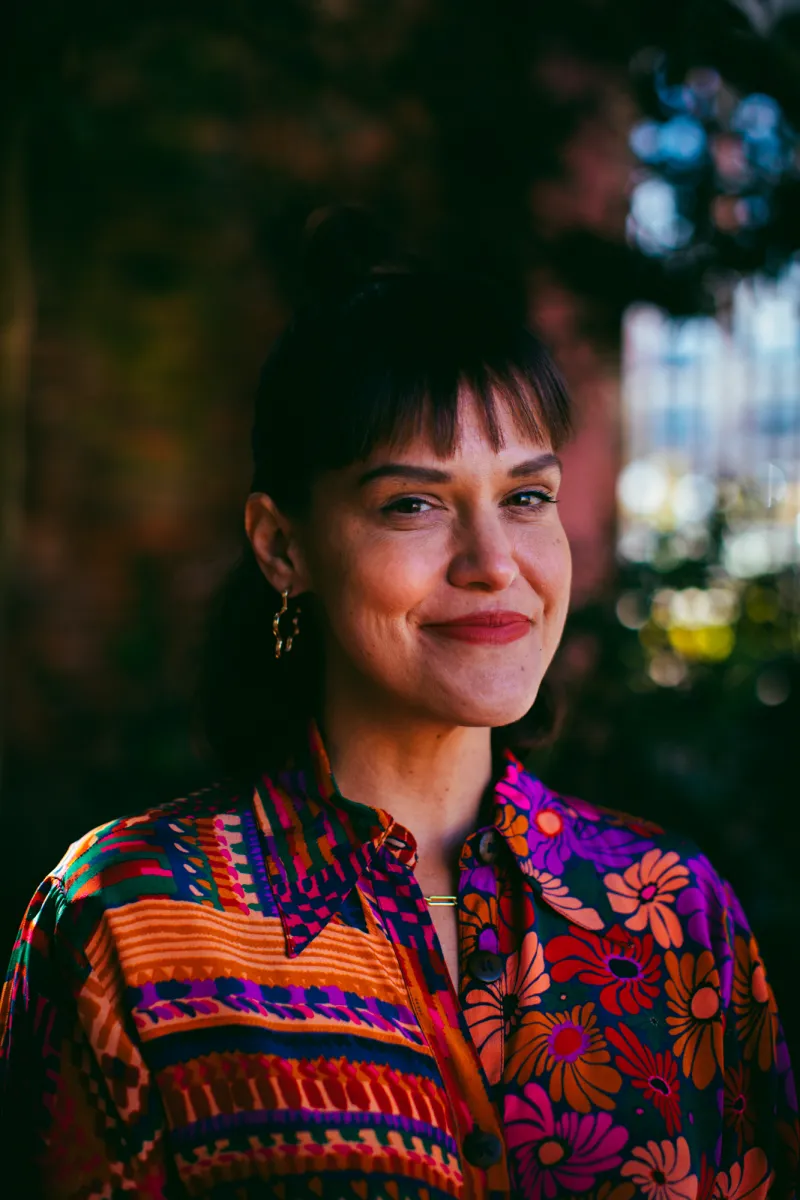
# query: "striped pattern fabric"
[[241, 994]]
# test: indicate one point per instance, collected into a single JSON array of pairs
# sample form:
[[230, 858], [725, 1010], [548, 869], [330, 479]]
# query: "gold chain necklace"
[[434, 901]]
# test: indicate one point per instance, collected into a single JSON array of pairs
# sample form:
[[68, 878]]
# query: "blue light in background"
[[757, 116], [645, 141], [682, 142]]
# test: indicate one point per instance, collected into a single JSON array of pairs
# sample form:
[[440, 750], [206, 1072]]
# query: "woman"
[[381, 959]]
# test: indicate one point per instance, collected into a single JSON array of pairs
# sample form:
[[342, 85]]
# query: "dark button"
[[482, 1149], [488, 847], [484, 965]]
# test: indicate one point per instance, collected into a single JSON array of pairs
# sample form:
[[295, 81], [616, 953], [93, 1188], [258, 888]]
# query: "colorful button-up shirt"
[[243, 995]]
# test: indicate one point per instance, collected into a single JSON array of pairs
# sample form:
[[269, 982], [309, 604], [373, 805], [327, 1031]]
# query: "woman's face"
[[399, 547]]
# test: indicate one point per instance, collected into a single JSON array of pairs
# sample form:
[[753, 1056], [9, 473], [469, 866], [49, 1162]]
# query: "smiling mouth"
[[488, 628]]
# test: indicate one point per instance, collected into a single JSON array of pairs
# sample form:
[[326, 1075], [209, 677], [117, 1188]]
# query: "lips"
[[487, 628]]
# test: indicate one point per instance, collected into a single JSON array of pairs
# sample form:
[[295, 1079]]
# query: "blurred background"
[[632, 171]]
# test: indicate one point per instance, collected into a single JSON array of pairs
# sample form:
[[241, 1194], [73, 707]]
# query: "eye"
[[531, 498], [407, 506]]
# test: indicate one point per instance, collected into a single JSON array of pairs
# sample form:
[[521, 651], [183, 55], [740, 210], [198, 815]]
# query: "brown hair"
[[376, 351]]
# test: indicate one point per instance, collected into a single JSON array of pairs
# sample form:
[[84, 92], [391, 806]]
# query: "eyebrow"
[[434, 475]]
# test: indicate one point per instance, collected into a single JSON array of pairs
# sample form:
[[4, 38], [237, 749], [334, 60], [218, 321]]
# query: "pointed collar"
[[549, 835], [319, 843]]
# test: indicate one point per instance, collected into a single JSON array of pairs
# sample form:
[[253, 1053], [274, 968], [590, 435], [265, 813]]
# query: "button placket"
[[482, 965], [485, 966], [489, 847], [482, 1149]]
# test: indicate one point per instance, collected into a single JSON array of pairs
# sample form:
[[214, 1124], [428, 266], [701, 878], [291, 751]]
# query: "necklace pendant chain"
[[435, 901]]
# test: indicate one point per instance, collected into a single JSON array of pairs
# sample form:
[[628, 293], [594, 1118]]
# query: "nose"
[[483, 559]]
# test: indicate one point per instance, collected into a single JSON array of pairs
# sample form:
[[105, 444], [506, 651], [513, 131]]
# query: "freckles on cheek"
[[386, 583], [551, 573]]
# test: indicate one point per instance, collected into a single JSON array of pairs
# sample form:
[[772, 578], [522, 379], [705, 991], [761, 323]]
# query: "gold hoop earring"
[[282, 644]]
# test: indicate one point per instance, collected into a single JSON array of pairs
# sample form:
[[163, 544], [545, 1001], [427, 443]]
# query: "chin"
[[486, 711]]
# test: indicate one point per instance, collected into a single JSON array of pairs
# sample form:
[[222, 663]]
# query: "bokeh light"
[[656, 223], [643, 488], [773, 687], [694, 498], [667, 670]]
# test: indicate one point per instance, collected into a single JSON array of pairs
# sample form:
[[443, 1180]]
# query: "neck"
[[431, 778]]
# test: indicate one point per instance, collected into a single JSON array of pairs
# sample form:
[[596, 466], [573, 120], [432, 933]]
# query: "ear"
[[275, 545]]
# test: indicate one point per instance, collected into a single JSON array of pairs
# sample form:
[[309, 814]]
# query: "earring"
[[282, 644]]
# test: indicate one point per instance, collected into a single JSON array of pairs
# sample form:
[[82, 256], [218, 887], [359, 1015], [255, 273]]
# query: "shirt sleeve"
[[761, 1135], [77, 1112]]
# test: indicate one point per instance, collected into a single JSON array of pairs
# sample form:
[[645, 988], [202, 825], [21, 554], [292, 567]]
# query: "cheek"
[[563, 574], [548, 568], [379, 581]]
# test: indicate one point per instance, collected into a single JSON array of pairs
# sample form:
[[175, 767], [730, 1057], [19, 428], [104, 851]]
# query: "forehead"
[[476, 437]]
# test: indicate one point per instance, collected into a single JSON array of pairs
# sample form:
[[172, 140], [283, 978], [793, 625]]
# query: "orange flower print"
[[477, 929], [737, 1107], [526, 978], [493, 1010], [647, 892], [569, 1050], [661, 1170], [750, 1180], [484, 1014], [558, 897], [696, 1024], [754, 1004], [514, 825]]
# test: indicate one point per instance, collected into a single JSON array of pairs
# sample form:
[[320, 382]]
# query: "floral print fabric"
[[244, 995], [647, 1059]]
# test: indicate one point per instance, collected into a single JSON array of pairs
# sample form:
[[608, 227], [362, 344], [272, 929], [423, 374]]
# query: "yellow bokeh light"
[[711, 643]]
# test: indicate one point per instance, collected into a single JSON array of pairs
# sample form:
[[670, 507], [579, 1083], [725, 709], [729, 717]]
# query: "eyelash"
[[542, 496]]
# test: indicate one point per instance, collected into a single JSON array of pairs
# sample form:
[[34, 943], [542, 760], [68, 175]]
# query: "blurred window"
[[711, 428]]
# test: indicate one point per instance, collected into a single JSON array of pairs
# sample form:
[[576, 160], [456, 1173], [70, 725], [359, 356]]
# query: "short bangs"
[[365, 365], [391, 362]]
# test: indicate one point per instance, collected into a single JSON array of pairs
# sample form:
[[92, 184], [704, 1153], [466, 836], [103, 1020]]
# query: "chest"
[[445, 922], [359, 1051]]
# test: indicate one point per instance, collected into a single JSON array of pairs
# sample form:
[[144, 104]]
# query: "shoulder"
[[562, 827], [128, 881], [181, 849], [645, 876], [654, 858]]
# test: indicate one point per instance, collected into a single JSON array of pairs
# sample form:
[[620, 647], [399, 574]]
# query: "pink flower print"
[[553, 1156]]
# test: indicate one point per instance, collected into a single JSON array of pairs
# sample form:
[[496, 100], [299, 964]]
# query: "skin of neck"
[[430, 776]]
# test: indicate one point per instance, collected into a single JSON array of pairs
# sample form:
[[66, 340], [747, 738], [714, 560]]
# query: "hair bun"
[[344, 246]]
